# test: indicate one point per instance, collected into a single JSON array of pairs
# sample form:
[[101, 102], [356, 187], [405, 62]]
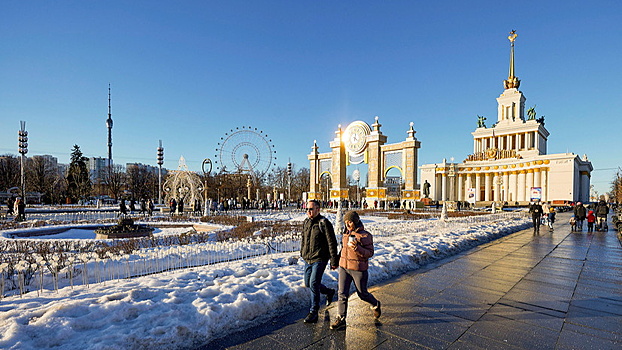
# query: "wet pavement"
[[554, 290]]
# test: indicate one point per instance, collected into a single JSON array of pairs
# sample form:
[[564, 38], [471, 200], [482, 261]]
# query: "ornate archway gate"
[[360, 143]]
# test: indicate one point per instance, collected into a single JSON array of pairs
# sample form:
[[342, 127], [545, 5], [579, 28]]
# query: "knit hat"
[[351, 216]]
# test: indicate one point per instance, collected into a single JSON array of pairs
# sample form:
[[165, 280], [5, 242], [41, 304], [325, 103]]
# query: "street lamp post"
[[206, 163], [160, 162], [356, 175], [289, 181], [23, 149]]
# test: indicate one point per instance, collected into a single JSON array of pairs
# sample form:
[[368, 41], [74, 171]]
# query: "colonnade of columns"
[[500, 186], [518, 142]]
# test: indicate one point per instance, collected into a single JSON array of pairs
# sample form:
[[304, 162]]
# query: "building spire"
[[512, 82], [109, 125]]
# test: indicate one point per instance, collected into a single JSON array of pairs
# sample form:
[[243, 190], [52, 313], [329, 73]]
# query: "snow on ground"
[[192, 306]]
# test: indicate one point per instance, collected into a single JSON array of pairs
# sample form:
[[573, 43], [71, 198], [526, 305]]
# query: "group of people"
[[146, 207], [596, 216], [319, 248], [542, 214], [16, 206]]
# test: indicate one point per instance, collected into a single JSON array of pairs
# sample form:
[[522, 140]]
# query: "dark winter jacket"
[[580, 212], [602, 210], [536, 210], [318, 241]]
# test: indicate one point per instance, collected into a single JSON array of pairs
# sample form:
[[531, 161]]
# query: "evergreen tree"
[[79, 184]]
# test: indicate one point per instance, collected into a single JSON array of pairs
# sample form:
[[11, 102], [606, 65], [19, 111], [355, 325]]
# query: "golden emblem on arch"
[[491, 153]]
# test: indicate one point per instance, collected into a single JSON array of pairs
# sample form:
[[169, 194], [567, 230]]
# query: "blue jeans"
[[313, 280]]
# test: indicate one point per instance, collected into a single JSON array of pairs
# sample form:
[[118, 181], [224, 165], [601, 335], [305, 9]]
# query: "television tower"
[[109, 125]]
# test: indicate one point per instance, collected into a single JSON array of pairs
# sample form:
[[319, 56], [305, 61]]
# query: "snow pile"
[[192, 306]]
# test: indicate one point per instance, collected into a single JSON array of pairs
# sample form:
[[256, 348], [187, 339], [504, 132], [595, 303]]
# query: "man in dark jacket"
[[536, 216], [579, 214], [317, 248], [601, 215]]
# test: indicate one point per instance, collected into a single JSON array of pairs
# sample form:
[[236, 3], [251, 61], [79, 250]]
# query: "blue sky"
[[187, 72]]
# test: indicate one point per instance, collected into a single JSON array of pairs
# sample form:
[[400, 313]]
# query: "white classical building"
[[510, 161]]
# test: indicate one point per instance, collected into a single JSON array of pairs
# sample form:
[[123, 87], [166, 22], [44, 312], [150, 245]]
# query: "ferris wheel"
[[245, 150]]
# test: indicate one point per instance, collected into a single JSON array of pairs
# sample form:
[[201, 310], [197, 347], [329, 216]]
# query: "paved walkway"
[[559, 290]]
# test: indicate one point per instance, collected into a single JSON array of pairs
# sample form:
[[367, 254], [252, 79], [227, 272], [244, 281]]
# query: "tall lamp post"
[[289, 181], [356, 175], [160, 162], [23, 149], [206, 166]]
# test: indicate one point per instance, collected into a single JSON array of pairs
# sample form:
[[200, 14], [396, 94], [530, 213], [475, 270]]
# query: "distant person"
[[602, 210], [143, 206], [10, 203], [150, 207], [573, 224], [180, 206], [173, 206], [579, 214], [358, 247], [318, 247], [545, 210], [591, 219], [122, 208], [551, 214], [536, 216], [20, 209], [132, 206]]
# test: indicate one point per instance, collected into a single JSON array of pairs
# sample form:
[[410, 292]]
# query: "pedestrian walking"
[[122, 208], [173, 206], [536, 215], [551, 216], [602, 210], [579, 214], [318, 247], [591, 219], [358, 247], [10, 203], [150, 207]]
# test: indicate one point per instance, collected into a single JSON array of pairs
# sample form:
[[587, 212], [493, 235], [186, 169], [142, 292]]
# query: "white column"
[[506, 186], [444, 187], [512, 184], [528, 184], [460, 179], [478, 186], [585, 187], [438, 183], [487, 183], [544, 184], [520, 193], [497, 187], [536, 177]]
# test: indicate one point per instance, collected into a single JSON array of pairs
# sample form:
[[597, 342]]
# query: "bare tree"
[[114, 178], [9, 172], [616, 187], [140, 182], [41, 176]]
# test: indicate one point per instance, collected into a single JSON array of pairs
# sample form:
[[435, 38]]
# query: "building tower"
[[109, 125]]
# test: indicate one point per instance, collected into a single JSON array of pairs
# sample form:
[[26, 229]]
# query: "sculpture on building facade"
[[481, 121]]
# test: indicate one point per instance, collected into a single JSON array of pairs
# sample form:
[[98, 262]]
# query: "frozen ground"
[[187, 307]]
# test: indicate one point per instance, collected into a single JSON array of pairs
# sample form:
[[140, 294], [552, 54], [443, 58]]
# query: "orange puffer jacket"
[[356, 259]]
